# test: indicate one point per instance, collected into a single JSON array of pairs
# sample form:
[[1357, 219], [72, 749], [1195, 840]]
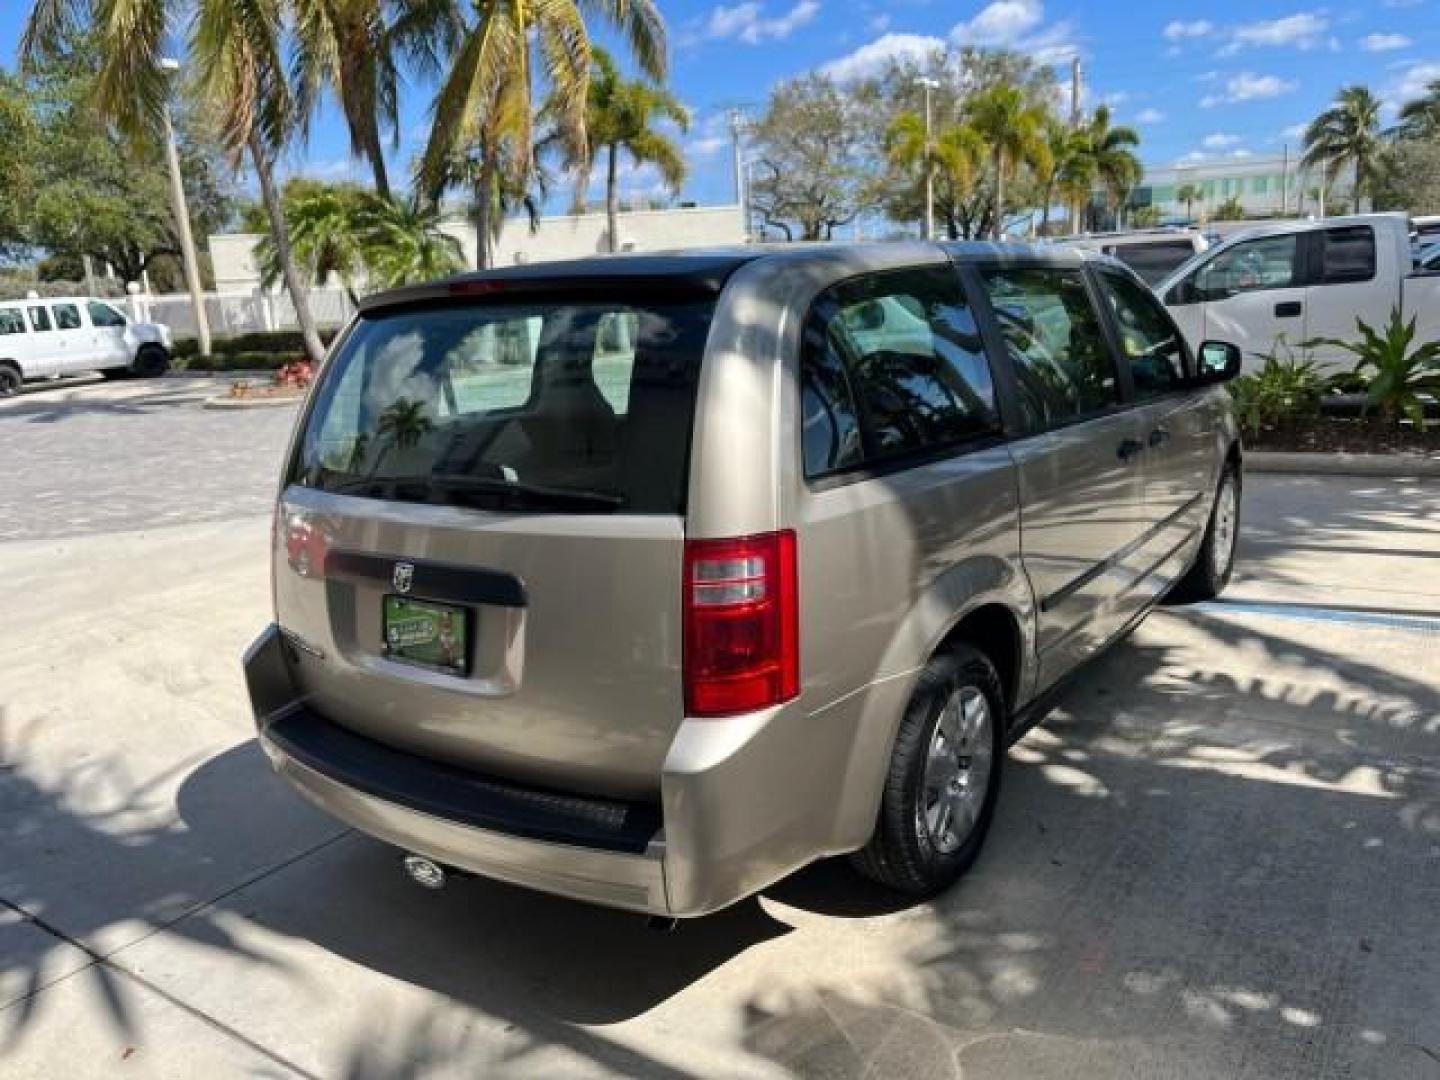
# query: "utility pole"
[[1324, 183], [1075, 92], [181, 210], [929, 84], [1285, 180], [742, 194]]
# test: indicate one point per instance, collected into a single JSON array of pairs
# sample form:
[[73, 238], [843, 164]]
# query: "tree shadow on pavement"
[[73, 402]]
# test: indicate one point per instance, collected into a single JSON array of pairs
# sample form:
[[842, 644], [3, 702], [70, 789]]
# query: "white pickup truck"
[[1303, 280]]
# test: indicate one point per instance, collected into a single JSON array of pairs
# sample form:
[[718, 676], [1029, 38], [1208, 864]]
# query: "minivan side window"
[[11, 321], [1347, 255], [1264, 263], [1148, 341], [104, 315], [1063, 367], [67, 316], [893, 366], [40, 318]]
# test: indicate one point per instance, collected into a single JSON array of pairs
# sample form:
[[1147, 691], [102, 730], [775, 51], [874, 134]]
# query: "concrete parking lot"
[[1219, 857]]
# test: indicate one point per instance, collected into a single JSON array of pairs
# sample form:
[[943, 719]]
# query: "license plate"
[[426, 634]]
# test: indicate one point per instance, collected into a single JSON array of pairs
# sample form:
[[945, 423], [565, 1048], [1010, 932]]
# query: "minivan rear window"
[[581, 406]]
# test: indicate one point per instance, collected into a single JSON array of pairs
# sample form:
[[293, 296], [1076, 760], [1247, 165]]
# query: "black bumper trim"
[[459, 795]]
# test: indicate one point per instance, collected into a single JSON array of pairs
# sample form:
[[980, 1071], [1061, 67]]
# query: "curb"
[[228, 404], [1337, 464]]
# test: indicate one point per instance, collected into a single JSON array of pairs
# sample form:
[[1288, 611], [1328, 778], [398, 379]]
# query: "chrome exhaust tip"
[[426, 873]]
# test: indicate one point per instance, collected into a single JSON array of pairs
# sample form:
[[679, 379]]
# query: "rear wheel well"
[[994, 630]]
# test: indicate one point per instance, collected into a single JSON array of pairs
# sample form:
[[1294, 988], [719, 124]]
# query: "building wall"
[[1265, 187], [561, 237]]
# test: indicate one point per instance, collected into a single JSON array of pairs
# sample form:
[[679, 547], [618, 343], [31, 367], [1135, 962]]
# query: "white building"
[[1265, 187], [562, 237]]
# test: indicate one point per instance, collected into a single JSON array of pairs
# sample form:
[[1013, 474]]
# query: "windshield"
[[568, 407]]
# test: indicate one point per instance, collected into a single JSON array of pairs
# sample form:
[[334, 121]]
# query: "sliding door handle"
[[1289, 309], [1158, 437], [1128, 448]]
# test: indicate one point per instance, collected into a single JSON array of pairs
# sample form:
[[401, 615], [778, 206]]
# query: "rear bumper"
[[727, 824]]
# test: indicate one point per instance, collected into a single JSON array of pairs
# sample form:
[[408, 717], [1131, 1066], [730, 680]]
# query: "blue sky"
[[1222, 79]]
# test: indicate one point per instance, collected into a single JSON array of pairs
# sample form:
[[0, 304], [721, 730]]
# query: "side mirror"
[[1219, 361]]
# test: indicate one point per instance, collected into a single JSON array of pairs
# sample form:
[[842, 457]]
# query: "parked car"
[[1303, 280], [653, 618], [1152, 253], [75, 334]]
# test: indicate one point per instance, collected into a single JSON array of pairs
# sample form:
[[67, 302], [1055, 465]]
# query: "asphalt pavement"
[[1220, 857]]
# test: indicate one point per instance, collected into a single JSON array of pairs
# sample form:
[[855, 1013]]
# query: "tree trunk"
[[482, 220], [1045, 210], [280, 233], [999, 195], [612, 198]]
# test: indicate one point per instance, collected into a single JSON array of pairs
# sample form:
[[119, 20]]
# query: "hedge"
[[281, 344]]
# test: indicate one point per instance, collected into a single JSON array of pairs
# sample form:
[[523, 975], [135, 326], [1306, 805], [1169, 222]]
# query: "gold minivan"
[[649, 579]]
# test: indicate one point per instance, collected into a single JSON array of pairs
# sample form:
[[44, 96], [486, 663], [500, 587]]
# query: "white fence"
[[241, 312]]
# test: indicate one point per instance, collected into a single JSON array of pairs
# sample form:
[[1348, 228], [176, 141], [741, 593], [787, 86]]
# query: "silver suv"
[[647, 580]]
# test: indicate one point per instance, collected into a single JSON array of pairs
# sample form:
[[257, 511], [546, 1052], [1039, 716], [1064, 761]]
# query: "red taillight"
[[742, 616]]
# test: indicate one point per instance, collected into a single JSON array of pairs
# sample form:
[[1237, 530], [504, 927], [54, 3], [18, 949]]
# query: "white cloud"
[[1196, 156], [1293, 133], [871, 59], [878, 24], [1219, 141], [1001, 22], [1413, 82], [1303, 30], [1249, 87], [1384, 42], [1019, 25], [748, 22], [1149, 116], [1178, 30]]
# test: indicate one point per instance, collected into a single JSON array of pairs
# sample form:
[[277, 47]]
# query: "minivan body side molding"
[[1073, 586]]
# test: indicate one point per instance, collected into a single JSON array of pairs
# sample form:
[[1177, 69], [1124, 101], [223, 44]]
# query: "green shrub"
[[1398, 379], [283, 342], [1285, 390]]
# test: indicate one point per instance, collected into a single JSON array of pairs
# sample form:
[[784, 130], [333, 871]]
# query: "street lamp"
[[928, 84], [181, 209]]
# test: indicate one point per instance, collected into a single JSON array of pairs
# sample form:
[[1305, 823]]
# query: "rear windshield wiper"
[[482, 491]]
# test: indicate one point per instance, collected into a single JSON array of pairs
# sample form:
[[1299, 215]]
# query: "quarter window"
[[1347, 254], [1266, 263], [11, 321], [893, 366], [1148, 339], [67, 316], [1063, 366], [40, 319], [104, 315]]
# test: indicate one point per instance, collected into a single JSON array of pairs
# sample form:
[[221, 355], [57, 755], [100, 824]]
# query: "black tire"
[[151, 362], [905, 853], [10, 380], [1215, 561], [113, 373]]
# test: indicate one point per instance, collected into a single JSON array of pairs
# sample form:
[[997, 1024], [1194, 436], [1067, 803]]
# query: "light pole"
[[742, 190], [929, 84], [181, 209]]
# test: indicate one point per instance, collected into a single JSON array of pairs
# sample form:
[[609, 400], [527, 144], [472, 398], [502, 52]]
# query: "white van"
[[52, 336], [1304, 280]]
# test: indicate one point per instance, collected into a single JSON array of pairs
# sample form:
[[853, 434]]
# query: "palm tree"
[[501, 176], [1190, 194], [953, 157], [1420, 119], [1348, 132], [1066, 161], [1012, 127], [404, 243], [620, 115], [1116, 168], [237, 53], [326, 236], [353, 47], [485, 95]]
